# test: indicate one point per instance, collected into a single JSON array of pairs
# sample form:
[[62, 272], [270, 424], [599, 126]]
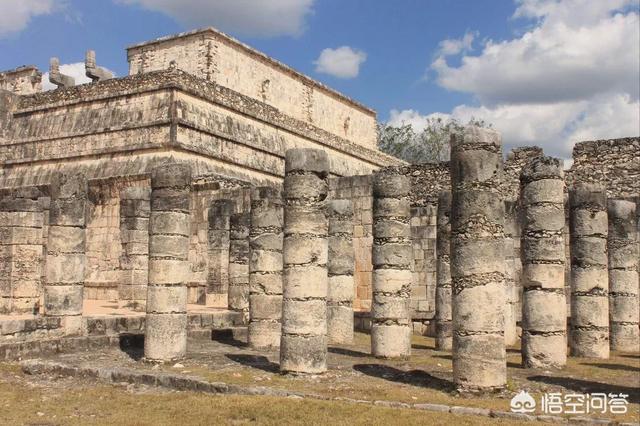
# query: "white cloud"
[[16, 14], [454, 46], [264, 18], [578, 48], [554, 127], [573, 76], [75, 70], [343, 62]]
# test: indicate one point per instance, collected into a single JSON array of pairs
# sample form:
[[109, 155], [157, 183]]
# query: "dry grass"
[[85, 404]]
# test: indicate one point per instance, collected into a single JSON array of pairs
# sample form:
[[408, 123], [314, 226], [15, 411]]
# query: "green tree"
[[431, 145]]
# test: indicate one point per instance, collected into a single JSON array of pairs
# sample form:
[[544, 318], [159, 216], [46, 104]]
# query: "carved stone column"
[[392, 258], [544, 317], [477, 260], [265, 268], [303, 347], [169, 233]]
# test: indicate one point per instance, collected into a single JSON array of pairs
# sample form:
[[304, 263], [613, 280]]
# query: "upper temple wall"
[[217, 57]]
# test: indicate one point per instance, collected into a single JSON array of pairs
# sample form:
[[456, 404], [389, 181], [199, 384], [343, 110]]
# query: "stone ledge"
[[192, 383]]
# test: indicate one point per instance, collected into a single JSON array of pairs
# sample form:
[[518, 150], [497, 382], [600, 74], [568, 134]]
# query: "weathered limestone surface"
[[239, 262], [66, 255], [303, 346], [135, 209], [443, 318], [340, 269], [219, 216], [265, 268], [23, 80], [477, 260], [166, 321], [589, 335], [511, 223], [21, 256], [392, 259], [544, 318], [624, 306]]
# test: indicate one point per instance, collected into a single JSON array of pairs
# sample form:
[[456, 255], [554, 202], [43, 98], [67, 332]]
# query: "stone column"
[[66, 255], [340, 268], [169, 232], [219, 215], [265, 268], [303, 347], [589, 336], [21, 256], [477, 260], [134, 233], [624, 306], [443, 275], [239, 263], [511, 291], [544, 317], [392, 257]]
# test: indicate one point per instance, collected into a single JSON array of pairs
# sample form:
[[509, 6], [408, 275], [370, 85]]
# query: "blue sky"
[[545, 72]]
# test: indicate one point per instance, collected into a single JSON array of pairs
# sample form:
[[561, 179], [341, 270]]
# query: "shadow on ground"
[[348, 352], [412, 377], [259, 362], [620, 367], [586, 386]]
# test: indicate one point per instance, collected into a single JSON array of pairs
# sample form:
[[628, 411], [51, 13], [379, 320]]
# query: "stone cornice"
[[203, 89]]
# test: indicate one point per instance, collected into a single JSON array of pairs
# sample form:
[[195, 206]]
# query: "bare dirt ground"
[[424, 378]]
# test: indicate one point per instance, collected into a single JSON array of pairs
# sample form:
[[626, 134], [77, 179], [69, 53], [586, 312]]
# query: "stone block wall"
[[615, 162], [358, 189]]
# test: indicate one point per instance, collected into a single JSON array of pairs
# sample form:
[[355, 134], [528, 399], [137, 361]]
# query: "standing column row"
[[303, 346], [21, 222], [544, 318], [66, 254], [589, 335], [443, 275], [392, 257], [624, 306], [477, 260], [340, 269], [265, 268], [239, 263], [169, 232], [134, 233], [219, 215]]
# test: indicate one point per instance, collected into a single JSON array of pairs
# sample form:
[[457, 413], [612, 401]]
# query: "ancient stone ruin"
[[188, 197]]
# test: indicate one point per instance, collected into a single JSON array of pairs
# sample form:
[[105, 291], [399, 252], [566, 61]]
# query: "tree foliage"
[[430, 145]]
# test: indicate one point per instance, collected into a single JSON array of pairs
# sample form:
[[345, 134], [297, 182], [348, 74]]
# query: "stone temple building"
[[207, 101]]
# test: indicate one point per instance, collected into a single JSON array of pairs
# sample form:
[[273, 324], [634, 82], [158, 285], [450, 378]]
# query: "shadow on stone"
[[348, 352], [412, 377], [132, 345], [227, 337], [259, 362], [620, 367], [513, 364], [586, 386], [425, 347], [632, 356], [513, 351], [449, 357]]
